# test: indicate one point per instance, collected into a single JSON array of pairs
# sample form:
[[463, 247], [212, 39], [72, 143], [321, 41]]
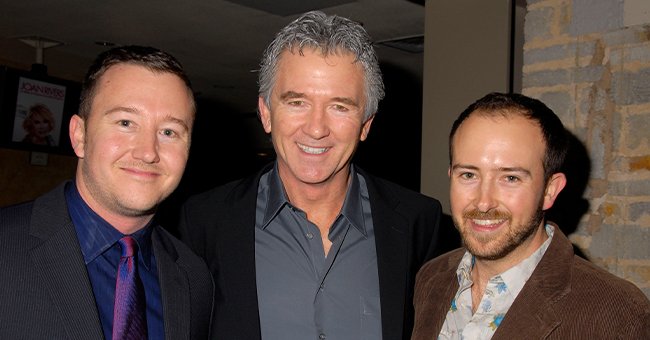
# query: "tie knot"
[[128, 245]]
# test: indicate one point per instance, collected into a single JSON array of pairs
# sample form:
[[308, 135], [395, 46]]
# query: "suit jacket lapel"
[[391, 238], [533, 313], [443, 290], [174, 289], [55, 252], [236, 246]]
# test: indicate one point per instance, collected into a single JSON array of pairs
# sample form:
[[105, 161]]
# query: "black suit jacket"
[[46, 292], [219, 225]]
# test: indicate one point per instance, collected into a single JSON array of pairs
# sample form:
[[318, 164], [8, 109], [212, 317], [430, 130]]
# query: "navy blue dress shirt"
[[101, 252]]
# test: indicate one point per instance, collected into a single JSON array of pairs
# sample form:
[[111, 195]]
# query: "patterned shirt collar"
[[516, 276], [500, 293]]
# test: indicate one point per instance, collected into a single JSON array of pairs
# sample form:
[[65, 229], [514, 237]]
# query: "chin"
[[490, 248]]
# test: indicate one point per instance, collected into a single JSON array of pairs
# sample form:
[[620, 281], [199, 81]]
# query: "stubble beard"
[[502, 244]]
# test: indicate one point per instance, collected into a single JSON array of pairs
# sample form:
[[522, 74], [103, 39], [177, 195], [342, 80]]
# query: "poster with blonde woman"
[[39, 124], [39, 109]]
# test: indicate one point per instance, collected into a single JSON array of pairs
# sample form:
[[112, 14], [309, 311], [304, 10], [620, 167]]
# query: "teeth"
[[315, 151], [487, 222]]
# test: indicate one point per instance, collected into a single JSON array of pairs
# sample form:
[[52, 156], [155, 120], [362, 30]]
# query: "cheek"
[[104, 145], [285, 126], [460, 197], [521, 203], [174, 155], [347, 130]]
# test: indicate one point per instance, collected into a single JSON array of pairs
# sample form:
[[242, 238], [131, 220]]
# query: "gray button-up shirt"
[[301, 293]]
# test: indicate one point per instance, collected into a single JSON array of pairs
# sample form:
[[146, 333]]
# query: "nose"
[[485, 200], [146, 148], [316, 125]]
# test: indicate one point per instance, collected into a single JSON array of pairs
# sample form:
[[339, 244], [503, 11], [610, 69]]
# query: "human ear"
[[365, 129], [554, 186], [265, 114], [77, 131]]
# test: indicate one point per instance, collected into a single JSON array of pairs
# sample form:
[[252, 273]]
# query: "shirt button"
[[321, 336], [310, 236]]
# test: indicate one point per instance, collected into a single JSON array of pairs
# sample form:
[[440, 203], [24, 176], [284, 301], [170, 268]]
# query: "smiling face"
[[497, 192], [316, 116], [134, 146], [42, 127]]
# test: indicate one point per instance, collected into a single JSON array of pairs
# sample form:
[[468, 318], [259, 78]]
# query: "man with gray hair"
[[313, 247]]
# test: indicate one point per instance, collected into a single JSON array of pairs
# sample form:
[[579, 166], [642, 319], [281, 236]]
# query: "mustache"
[[486, 215]]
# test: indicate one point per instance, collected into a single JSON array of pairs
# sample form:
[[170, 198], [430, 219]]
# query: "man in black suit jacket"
[[60, 253], [313, 246]]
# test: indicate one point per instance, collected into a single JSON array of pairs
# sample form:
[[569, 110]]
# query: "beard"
[[494, 247]]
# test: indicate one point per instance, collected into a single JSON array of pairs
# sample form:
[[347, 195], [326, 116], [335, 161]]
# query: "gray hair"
[[332, 35]]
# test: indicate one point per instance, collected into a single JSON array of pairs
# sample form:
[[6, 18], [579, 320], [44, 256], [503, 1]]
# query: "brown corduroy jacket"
[[566, 297]]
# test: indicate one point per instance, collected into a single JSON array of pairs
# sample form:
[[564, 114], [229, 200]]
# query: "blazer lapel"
[[174, 289], [533, 313], [391, 238], [55, 252], [236, 253], [443, 289]]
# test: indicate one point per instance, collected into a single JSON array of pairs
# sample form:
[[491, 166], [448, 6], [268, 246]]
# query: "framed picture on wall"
[[35, 110]]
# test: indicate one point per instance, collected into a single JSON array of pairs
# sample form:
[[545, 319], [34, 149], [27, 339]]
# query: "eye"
[[467, 175], [512, 179], [124, 123], [169, 133], [340, 108], [296, 103]]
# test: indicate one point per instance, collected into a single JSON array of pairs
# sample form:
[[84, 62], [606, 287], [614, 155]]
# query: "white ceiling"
[[218, 42]]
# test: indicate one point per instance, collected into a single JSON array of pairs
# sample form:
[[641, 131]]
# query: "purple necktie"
[[129, 311]]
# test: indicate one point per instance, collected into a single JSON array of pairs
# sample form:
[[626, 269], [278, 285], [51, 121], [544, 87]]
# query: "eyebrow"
[[121, 109], [177, 121], [291, 95], [463, 167], [346, 100]]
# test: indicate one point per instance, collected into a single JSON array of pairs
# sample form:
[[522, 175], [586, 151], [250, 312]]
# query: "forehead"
[[124, 71], [136, 86], [510, 138], [315, 75], [131, 78]]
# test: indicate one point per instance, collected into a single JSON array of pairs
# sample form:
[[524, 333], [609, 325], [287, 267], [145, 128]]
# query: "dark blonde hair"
[[38, 110]]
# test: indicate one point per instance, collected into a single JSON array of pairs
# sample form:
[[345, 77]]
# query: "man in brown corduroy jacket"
[[517, 276]]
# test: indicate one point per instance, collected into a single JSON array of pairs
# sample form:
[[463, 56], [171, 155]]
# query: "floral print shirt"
[[499, 295]]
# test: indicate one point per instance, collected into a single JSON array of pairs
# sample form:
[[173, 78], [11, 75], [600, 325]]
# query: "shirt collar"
[[95, 235], [351, 210], [516, 277], [277, 197]]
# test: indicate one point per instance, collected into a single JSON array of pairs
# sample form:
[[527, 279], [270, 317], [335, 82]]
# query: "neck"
[[126, 224], [485, 269], [328, 195]]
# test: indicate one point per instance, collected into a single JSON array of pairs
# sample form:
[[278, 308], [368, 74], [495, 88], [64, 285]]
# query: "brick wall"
[[591, 64]]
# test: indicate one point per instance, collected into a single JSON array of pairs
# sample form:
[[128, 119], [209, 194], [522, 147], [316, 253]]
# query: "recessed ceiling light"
[[104, 43]]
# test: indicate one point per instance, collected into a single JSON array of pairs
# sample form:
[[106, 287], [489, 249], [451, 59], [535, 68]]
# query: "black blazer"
[[46, 292], [219, 225]]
